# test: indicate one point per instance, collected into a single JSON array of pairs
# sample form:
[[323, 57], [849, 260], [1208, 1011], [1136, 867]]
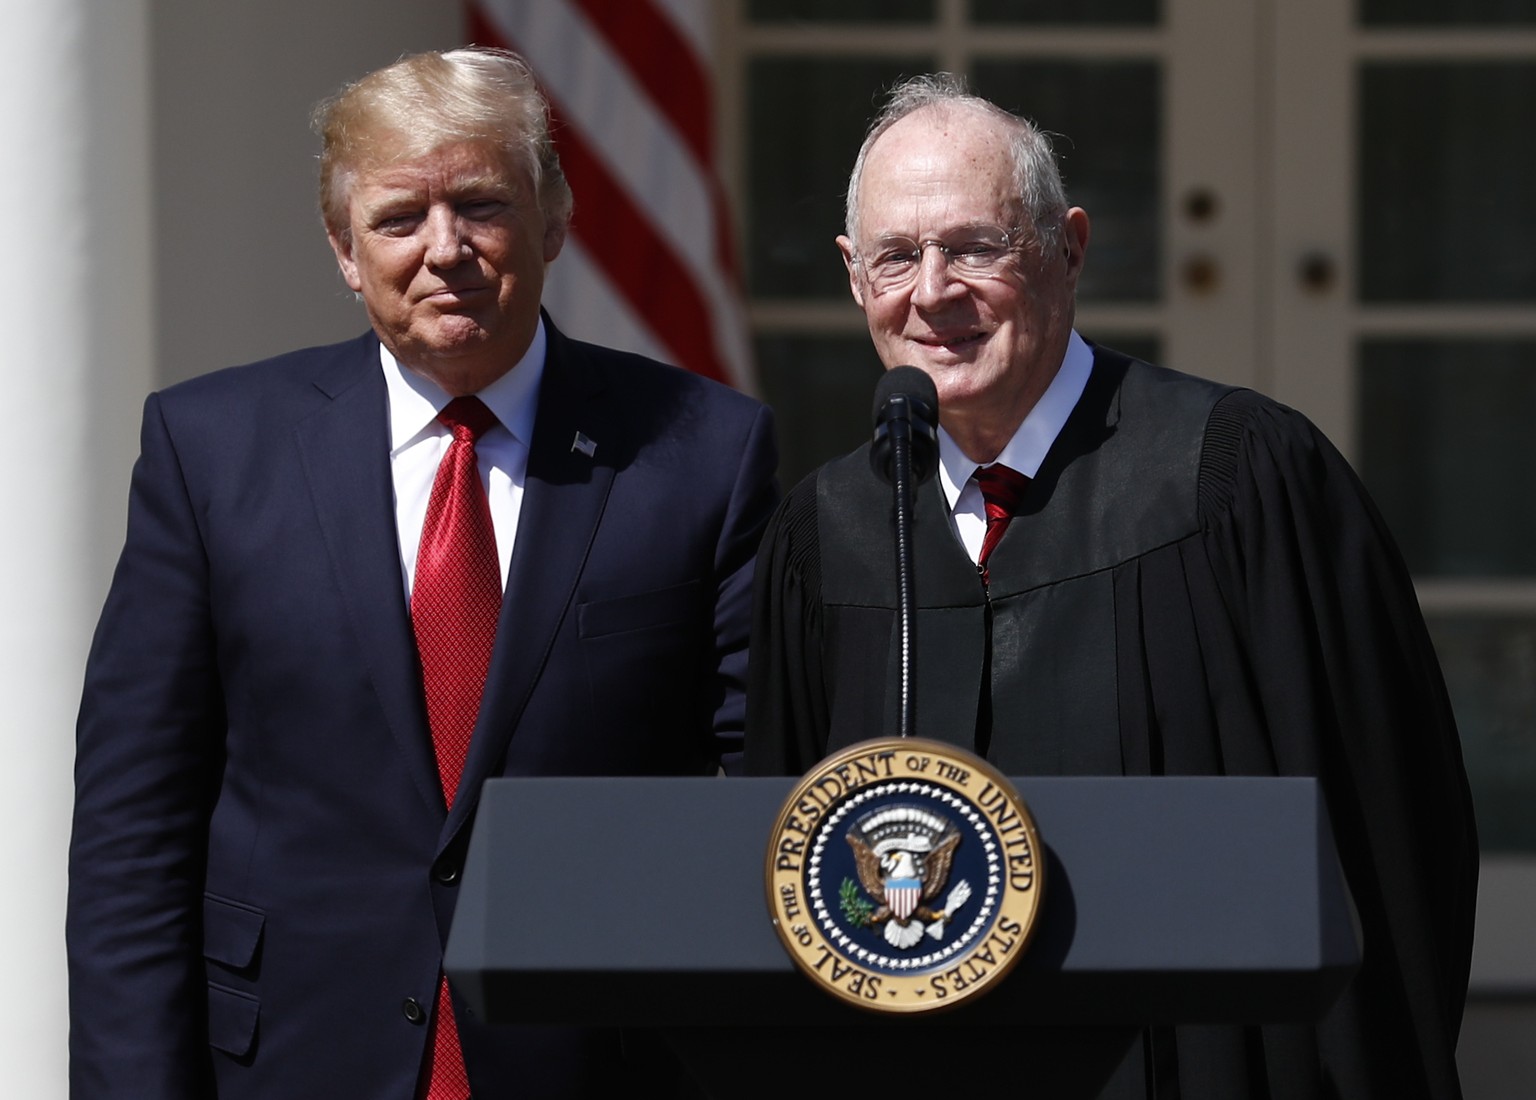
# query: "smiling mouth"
[[952, 343], [455, 295]]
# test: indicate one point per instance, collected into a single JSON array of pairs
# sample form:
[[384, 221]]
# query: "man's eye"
[[396, 225], [895, 257], [482, 209]]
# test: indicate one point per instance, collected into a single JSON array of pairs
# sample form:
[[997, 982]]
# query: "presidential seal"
[[904, 875]]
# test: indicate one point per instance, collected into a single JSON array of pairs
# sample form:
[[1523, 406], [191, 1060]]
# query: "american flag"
[[648, 265]]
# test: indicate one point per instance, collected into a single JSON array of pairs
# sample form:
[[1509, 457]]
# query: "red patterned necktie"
[[455, 602], [1001, 488]]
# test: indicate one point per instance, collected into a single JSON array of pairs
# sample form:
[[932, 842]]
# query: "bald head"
[[944, 98]]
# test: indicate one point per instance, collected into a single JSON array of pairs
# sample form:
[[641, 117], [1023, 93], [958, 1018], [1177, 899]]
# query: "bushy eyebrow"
[[487, 183], [482, 184]]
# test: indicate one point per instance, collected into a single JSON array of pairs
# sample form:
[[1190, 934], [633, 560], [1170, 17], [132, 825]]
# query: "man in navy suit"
[[264, 861]]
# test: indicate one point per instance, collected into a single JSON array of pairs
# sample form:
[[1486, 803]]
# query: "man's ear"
[[554, 238], [341, 245], [845, 246], [1075, 241]]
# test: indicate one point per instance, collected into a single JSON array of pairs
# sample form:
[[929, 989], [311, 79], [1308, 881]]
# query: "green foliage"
[[856, 907]]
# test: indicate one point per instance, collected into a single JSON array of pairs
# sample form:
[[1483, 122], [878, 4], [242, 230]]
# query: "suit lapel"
[[345, 449], [564, 494]]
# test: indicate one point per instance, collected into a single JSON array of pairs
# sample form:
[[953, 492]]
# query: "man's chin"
[[961, 383], [428, 348], [453, 335]]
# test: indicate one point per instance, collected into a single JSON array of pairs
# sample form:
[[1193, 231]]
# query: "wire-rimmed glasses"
[[892, 263]]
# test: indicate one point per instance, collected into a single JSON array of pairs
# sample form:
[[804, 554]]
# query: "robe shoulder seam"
[[1224, 430]]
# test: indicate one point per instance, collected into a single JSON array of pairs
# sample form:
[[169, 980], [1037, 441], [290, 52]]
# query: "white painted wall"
[[242, 267], [158, 186]]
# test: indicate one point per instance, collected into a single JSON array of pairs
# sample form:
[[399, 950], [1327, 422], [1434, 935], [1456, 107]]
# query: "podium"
[[640, 902]]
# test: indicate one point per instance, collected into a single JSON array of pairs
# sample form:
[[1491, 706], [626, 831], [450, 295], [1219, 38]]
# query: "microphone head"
[[906, 400], [909, 382]]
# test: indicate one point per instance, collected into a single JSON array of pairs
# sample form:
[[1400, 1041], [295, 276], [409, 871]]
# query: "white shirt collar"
[[1033, 438], [415, 401]]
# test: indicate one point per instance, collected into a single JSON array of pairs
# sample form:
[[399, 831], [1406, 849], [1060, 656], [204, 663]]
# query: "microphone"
[[904, 454], [906, 405]]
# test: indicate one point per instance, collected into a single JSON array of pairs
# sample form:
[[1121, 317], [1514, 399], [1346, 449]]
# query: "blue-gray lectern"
[[640, 903]]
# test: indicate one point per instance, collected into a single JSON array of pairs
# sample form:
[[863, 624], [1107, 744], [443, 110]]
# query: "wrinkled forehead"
[[402, 163], [935, 170], [382, 146]]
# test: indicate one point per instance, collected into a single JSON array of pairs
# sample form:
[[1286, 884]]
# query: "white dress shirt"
[[1024, 452], [418, 441]]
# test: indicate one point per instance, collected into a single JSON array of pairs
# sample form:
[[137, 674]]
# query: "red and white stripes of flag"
[[648, 265]]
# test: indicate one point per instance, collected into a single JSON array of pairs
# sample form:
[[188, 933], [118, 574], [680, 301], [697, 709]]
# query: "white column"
[[77, 359]]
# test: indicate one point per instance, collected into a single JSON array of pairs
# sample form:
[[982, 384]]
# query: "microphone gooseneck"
[[905, 454]]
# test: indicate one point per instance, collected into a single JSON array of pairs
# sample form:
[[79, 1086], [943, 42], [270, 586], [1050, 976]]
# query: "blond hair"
[[427, 100]]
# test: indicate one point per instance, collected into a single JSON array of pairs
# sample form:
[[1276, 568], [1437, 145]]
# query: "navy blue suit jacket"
[[262, 871]]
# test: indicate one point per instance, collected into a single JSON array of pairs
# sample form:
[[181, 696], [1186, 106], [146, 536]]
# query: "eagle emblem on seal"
[[903, 855]]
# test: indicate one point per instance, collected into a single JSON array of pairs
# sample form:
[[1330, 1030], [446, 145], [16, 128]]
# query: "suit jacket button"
[[446, 872], [413, 1011]]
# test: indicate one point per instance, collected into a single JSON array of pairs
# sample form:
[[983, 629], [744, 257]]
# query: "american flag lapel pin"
[[584, 445]]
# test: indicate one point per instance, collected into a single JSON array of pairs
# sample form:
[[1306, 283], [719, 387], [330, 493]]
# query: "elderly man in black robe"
[[1192, 582]]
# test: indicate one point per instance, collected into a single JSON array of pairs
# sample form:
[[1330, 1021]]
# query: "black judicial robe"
[[1197, 584]]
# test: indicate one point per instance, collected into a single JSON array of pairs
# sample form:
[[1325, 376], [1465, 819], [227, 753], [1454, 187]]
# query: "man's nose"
[[446, 244], [934, 282]]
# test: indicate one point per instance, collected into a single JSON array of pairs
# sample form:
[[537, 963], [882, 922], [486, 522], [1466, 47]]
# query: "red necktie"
[[1001, 488], [455, 602]]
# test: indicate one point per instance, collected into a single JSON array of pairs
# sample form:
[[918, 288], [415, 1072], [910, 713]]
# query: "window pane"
[[821, 389], [805, 120], [840, 11], [1110, 159], [1447, 171], [1490, 669], [1447, 450], [1445, 13], [1142, 13]]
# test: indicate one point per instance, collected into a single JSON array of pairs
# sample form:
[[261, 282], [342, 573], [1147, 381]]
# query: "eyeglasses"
[[892, 263]]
